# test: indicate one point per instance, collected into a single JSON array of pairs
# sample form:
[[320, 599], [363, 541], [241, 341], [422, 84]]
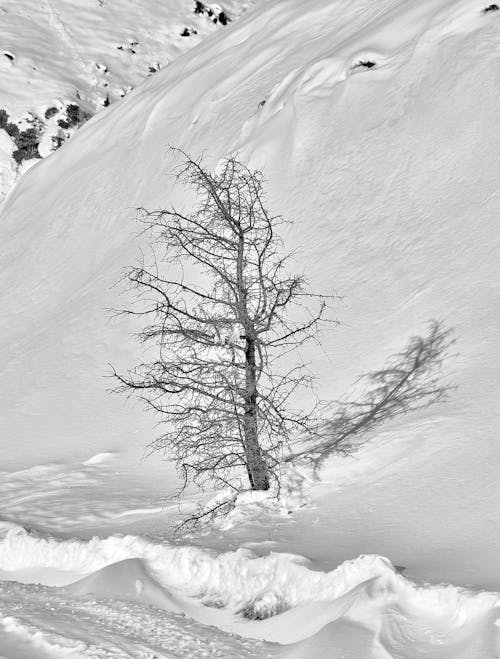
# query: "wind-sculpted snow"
[[231, 578], [376, 126], [271, 597]]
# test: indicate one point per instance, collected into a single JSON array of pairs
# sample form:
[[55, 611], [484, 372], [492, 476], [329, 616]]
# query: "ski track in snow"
[[44, 623]]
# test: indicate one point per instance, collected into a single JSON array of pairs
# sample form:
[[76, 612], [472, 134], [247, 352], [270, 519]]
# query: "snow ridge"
[[239, 579]]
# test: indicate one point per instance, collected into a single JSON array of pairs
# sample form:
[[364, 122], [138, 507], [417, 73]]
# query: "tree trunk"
[[256, 465]]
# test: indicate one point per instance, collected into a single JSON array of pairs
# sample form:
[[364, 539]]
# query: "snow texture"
[[390, 172]]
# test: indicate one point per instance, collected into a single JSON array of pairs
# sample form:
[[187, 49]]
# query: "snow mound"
[[125, 580], [99, 458]]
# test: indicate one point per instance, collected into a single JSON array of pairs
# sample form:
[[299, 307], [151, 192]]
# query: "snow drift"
[[129, 580], [272, 597]]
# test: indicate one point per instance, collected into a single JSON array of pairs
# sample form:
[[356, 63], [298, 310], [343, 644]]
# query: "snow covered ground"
[[390, 173]]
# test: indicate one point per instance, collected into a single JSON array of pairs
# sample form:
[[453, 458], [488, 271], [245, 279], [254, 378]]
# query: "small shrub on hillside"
[[490, 8], [27, 145], [260, 609], [50, 112], [75, 117], [26, 141], [73, 114], [223, 18], [214, 603], [201, 8], [11, 129]]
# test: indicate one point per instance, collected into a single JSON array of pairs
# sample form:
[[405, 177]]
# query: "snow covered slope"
[[391, 174], [62, 61]]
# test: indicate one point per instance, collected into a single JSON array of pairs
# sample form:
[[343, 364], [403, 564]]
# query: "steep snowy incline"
[[62, 61], [391, 174]]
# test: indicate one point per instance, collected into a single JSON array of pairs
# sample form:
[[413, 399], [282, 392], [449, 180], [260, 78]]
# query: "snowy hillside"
[[376, 125], [61, 62]]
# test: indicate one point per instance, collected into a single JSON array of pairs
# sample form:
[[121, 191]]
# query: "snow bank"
[[257, 587], [233, 578]]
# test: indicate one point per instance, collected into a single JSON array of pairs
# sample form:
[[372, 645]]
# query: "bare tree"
[[408, 381], [217, 335]]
